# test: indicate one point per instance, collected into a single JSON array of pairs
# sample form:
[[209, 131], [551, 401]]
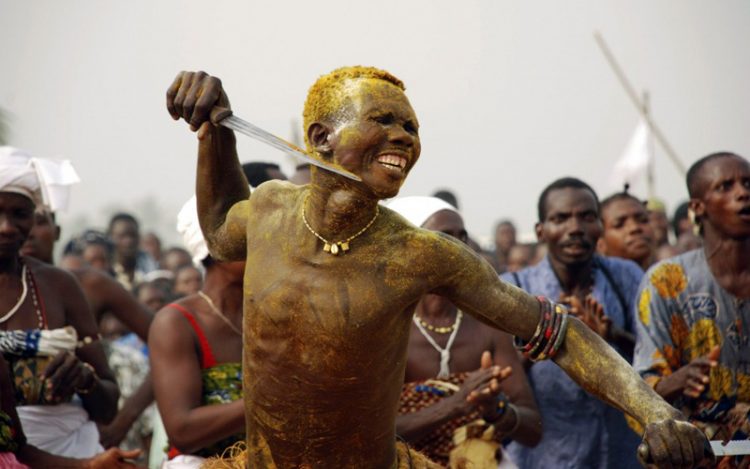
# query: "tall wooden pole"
[[655, 130]]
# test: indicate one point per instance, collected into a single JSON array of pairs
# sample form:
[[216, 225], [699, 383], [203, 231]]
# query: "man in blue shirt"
[[577, 429]]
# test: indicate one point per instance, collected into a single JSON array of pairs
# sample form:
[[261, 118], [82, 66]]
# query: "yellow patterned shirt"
[[682, 314]]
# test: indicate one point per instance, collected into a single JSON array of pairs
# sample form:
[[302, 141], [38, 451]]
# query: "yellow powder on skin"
[[328, 95]]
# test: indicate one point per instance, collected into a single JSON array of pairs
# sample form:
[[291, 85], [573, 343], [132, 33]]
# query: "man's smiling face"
[[376, 135]]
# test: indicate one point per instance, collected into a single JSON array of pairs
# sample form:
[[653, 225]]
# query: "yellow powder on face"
[[327, 96]]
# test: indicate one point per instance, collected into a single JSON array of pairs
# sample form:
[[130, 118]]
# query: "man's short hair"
[[122, 216], [256, 172], [504, 222], [447, 196], [562, 183], [324, 99], [693, 174], [624, 195]]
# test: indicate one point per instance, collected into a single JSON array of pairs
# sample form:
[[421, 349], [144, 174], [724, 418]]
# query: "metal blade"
[[732, 448], [246, 128]]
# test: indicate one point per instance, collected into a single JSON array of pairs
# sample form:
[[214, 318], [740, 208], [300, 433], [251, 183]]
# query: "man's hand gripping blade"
[[224, 117]]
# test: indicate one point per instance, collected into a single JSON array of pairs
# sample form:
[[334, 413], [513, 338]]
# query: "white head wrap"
[[190, 230], [46, 182], [418, 209]]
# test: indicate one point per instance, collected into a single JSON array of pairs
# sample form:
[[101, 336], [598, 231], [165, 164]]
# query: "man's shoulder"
[[682, 262], [47, 272], [521, 277], [275, 192], [400, 227], [620, 267]]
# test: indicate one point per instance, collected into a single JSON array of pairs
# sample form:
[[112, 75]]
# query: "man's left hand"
[[673, 444]]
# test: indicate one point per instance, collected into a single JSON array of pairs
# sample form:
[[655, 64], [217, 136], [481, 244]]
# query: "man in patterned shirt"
[[694, 309]]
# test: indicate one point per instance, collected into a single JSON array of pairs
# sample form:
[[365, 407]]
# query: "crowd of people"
[[264, 338]]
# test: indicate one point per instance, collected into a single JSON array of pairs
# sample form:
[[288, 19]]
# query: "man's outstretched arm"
[[585, 357], [221, 188]]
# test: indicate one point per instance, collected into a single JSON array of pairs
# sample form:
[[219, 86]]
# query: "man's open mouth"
[[393, 162]]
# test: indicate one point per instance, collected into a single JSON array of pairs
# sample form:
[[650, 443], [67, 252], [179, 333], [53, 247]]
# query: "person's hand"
[[112, 434], [591, 312], [113, 458], [193, 95], [65, 375], [673, 444], [690, 380], [481, 387]]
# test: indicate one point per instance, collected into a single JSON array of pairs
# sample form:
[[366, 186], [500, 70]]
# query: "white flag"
[[635, 159]]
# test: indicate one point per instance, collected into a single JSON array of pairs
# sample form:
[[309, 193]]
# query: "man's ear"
[[57, 232], [539, 232], [318, 134], [698, 209]]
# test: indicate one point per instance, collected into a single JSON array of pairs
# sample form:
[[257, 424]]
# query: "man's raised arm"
[[586, 358], [221, 188]]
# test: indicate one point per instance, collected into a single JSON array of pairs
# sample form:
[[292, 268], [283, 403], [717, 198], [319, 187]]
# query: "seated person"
[[444, 391], [196, 354]]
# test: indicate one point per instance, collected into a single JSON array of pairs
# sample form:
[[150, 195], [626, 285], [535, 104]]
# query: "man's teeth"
[[392, 160]]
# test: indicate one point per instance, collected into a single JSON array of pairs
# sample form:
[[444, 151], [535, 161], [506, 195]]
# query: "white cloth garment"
[[418, 209], [46, 182], [183, 461], [62, 429], [189, 228]]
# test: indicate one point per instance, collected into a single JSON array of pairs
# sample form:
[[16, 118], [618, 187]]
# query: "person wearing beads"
[[106, 296], [628, 232], [475, 374], [579, 430], [326, 331], [195, 349], [61, 396]]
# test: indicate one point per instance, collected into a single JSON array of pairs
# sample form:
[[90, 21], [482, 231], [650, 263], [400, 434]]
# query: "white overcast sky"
[[510, 94]]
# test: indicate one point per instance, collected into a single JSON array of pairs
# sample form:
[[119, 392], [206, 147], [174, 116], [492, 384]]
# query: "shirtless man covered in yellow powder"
[[325, 333]]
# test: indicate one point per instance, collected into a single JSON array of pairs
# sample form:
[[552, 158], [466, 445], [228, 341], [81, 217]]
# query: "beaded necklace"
[[218, 312], [337, 246], [445, 353], [27, 279], [21, 298], [440, 329]]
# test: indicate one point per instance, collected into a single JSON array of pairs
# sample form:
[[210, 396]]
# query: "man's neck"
[[10, 265], [226, 293], [434, 307], [128, 263], [338, 209], [572, 277], [726, 257]]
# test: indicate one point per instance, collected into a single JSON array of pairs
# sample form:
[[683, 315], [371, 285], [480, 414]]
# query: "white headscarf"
[[46, 182], [419, 209], [190, 230]]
